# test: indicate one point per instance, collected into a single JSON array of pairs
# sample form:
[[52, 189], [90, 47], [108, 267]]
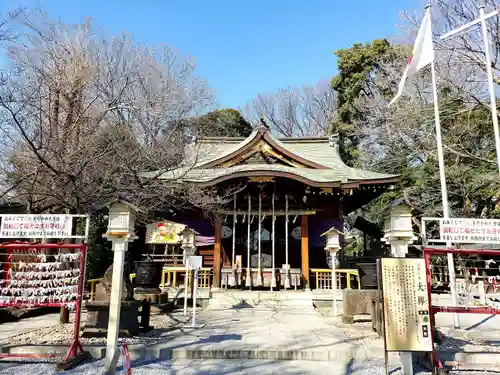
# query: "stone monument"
[[98, 310]]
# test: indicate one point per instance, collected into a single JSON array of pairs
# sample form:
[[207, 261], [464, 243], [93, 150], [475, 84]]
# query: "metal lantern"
[[188, 243], [332, 246], [332, 239]]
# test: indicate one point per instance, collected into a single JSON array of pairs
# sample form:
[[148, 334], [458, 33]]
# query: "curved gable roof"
[[260, 134], [318, 162]]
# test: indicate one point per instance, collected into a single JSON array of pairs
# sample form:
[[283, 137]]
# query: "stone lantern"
[[121, 220], [332, 236], [120, 231], [398, 231]]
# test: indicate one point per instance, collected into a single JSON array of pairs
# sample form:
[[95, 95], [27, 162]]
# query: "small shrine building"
[[287, 192]]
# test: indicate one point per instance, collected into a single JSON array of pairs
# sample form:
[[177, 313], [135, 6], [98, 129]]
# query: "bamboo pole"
[[259, 268], [273, 242], [234, 276], [287, 275], [248, 281]]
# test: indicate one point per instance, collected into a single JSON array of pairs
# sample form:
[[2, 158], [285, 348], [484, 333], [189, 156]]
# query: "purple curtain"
[[318, 226]]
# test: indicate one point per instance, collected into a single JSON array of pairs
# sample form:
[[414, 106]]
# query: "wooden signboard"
[[164, 232], [406, 305]]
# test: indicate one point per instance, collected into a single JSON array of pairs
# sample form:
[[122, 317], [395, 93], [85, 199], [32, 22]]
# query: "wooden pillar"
[[217, 252], [304, 227]]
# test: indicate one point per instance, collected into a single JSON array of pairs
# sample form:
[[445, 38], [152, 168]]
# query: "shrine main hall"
[[287, 193]]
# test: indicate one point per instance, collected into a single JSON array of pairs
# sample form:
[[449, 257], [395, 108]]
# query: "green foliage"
[[100, 255], [226, 122], [356, 65]]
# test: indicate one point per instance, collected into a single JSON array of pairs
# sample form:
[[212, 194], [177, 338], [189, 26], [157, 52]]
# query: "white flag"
[[422, 55]]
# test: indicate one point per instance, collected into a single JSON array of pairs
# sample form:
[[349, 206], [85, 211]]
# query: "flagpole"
[[444, 190], [489, 72], [464, 29]]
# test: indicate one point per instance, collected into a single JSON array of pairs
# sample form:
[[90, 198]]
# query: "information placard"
[[406, 305], [36, 226], [469, 230], [194, 262]]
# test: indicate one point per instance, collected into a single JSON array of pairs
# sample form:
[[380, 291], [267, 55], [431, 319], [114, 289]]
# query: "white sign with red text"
[[469, 230], [36, 226]]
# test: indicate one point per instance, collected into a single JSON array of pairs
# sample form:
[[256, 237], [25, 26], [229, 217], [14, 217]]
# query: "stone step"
[[164, 352], [222, 300]]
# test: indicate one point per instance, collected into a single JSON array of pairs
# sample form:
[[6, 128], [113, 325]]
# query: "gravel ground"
[[465, 342], [214, 367], [63, 334]]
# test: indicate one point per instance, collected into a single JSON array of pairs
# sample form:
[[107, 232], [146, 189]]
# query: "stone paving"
[[227, 367], [263, 337], [258, 330]]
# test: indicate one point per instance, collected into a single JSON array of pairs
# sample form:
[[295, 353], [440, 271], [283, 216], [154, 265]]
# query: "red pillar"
[[217, 252], [304, 227]]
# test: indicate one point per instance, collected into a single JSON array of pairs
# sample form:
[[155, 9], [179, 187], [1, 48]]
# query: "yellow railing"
[[323, 277], [169, 276], [92, 283]]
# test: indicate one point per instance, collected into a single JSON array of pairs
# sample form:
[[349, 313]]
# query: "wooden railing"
[[323, 277], [171, 260], [169, 277], [92, 283]]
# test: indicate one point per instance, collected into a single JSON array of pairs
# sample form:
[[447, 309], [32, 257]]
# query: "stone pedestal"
[[158, 300], [98, 318], [154, 297], [357, 302]]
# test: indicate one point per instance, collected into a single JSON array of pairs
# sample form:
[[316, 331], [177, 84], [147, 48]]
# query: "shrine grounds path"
[[348, 349]]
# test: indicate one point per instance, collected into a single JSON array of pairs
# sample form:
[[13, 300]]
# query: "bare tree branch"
[[303, 111], [85, 116]]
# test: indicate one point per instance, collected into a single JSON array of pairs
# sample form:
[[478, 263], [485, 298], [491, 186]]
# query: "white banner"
[[36, 226], [470, 230]]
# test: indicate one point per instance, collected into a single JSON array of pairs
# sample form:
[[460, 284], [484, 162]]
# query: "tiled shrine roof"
[[316, 161]]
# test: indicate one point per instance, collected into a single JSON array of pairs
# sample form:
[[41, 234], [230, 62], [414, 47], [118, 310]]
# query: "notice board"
[[406, 305]]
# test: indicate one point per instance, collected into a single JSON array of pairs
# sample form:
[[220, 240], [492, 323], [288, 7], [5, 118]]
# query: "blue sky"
[[243, 47]]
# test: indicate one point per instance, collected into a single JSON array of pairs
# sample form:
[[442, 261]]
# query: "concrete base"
[[70, 363], [98, 318], [162, 351], [262, 299], [464, 361]]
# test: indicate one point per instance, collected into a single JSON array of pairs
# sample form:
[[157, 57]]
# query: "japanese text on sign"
[[470, 230], [35, 226], [406, 305]]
